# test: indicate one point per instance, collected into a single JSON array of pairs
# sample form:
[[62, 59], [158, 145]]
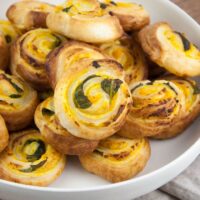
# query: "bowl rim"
[[192, 149]]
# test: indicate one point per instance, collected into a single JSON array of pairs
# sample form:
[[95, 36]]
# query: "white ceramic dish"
[[169, 158]]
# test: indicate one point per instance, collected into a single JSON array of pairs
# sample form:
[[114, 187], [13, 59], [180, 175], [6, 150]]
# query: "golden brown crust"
[[28, 15], [4, 135], [18, 103], [83, 27], [19, 164], [8, 33], [119, 168], [157, 107], [190, 114], [38, 19], [4, 53], [28, 56], [170, 50], [59, 137], [131, 16], [68, 144], [162, 119], [154, 51], [76, 52]]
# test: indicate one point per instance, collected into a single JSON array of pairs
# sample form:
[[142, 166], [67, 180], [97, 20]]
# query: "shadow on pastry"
[[56, 135], [93, 101], [43, 95], [28, 159], [75, 52], [132, 16], [28, 56], [154, 70], [157, 106], [170, 49], [117, 158], [130, 56], [84, 20], [7, 36], [27, 15], [4, 135], [18, 102]]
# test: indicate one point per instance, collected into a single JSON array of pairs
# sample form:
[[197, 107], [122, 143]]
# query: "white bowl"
[[169, 158]]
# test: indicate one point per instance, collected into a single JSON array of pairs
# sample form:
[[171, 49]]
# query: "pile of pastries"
[[91, 79]]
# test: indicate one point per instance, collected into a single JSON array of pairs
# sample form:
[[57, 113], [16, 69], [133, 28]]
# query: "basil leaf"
[[17, 88], [48, 112], [111, 86], [15, 96], [185, 41], [103, 5], [113, 3], [137, 86], [39, 151], [96, 64], [33, 167], [196, 90], [8, 39], [67, 9], [168, 84], [80, 100]]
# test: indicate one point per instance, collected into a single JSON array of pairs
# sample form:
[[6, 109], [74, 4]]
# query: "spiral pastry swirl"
[[18, 102], [130, 56], [75, 52], [56, 135], [191, 94], [117, 158], [132, 16], [27, 15], [86, 22], [29, 54], [93, 101], [7, 35], [157, 105], [170, 49], [29, 160], [4, 136]]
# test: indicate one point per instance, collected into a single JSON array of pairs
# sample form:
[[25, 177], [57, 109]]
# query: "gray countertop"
[[186, 186]]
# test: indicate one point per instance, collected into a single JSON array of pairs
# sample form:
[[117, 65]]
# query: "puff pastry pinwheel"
[[93, 101], [84, 20], [157, 106], [132, 16], [56, 135], [75, 52], [117, 158], [130, 56], [4, 135], [18, 102], [7, 35], [28, 159], [28, 56], [171, 50], [191, 93], [27, 15]]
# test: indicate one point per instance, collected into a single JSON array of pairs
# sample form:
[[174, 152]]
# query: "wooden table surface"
[[192, 7]]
